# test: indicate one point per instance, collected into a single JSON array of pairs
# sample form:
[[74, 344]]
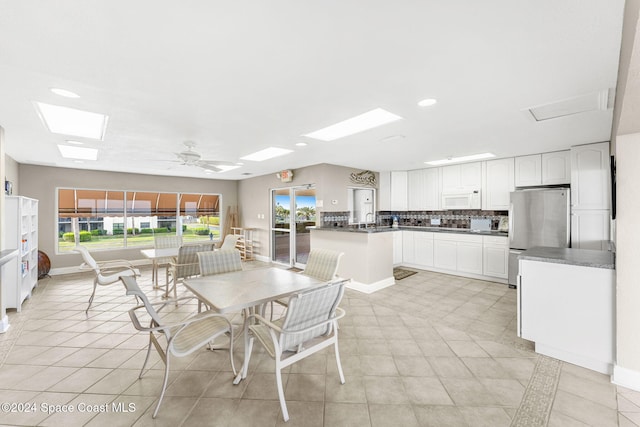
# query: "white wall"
[[330, 181], [628, 254]]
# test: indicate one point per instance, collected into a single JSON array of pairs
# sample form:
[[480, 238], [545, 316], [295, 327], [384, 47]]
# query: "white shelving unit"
[[21, 232]]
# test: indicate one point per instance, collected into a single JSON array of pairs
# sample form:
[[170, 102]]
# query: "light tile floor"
[[433, 350]]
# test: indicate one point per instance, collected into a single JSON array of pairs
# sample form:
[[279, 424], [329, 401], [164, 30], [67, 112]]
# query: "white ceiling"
[[237, 77]]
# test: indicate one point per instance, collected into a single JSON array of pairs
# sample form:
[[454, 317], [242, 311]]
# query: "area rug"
[[401, 273]]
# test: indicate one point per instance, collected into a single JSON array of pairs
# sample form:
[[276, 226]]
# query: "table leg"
[[248, 345]]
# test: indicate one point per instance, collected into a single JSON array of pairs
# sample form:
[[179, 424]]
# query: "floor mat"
[[401, 273]]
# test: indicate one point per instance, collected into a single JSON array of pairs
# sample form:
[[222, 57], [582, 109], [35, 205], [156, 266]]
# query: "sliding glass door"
[[293, 212]]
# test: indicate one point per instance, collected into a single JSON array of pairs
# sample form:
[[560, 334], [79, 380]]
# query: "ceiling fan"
[[190, 157]]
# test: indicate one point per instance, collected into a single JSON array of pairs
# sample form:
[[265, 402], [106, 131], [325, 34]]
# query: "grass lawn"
[[139, 240]]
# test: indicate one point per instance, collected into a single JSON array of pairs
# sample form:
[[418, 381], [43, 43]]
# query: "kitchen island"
[[368, 254], [566, 305]]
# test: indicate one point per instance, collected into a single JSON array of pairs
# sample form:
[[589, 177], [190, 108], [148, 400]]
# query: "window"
[[106, 219]]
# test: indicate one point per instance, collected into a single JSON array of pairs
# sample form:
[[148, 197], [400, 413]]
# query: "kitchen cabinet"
[[458, 252], [384, 191], [445, 254], [495, 256], [497, 183], [423, 247], [423, 189], [590, 229], [528, 170], [590, 171], [397, 247], [408, 251], [21, 232], [399, 190], [462, 177], [417, 248], [556, 168]]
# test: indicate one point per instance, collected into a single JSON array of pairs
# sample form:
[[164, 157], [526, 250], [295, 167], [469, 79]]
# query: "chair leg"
[[338, 360], [146, 359], [93, 294], [164, 386], [283, 404]]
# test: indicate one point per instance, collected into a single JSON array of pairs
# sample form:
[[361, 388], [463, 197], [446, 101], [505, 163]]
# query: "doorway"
[[293, 211]]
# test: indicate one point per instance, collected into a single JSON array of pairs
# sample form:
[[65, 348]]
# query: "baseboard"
[[4, 324], [577, 359], [262, 258], [626, 377], [453, 273], [76, 269], [372, 287]]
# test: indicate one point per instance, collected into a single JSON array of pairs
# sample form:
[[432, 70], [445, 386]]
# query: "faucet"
[[367, 216]]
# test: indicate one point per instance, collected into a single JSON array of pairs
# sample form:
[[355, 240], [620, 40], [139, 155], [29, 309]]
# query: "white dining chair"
[[106, 272], [180, 338], [310, 325]]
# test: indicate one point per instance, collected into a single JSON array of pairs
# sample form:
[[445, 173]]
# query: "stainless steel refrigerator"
[[537, 217]]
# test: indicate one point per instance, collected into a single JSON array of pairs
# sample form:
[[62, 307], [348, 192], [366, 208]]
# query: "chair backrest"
[[132, 287], [229, 242], [308, 308], [222, 261], [87, 258], [163, 241], [322, 264], [187, 263]]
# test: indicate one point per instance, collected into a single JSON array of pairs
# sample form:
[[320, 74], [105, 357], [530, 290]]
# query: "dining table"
[[245, 290], [156, 255]]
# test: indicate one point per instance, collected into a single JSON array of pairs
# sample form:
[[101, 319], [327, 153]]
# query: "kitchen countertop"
[[580, 257], [427, 229]]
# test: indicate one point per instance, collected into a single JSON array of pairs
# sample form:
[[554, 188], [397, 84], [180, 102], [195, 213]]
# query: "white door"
[[469, 257], [590, 229], [445, 254], [590, 176], [528, 170], [498, 184], [556, 168]]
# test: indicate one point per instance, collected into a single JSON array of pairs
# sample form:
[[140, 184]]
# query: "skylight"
[[64, 92], [80, 153], [69, 121], [460, 159], [267, 153], [366, 121]]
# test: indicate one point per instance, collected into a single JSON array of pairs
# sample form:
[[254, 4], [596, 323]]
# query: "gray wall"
[[331, 183], [40, 182]]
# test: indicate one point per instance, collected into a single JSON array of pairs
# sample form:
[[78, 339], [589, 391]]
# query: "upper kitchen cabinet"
[[556, 168], [590, 176], [528, 171], [399, 190], [497, 183], [465, 176], [543, 169], [384, 191], [423, 188]]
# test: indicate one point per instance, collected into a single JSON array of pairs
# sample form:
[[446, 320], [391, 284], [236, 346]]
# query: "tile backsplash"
[[447, 219]]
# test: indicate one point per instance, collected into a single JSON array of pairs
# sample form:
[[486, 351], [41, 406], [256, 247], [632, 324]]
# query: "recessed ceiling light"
[[267, 153], [366, 121], [68, 141], [301, 144], [64, 92], [80, 153], [461, 159], [69, 121], [427, 102]]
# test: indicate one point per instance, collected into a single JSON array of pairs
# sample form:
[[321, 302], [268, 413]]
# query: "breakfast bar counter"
[[368, 255]]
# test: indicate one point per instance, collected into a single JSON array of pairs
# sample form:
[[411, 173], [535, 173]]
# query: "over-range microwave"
[[454, 200]]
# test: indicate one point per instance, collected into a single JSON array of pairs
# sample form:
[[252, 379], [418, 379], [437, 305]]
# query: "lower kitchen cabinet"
[[495, 256], [469, 255], [423, 246], [445, 254], [397, 247]]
